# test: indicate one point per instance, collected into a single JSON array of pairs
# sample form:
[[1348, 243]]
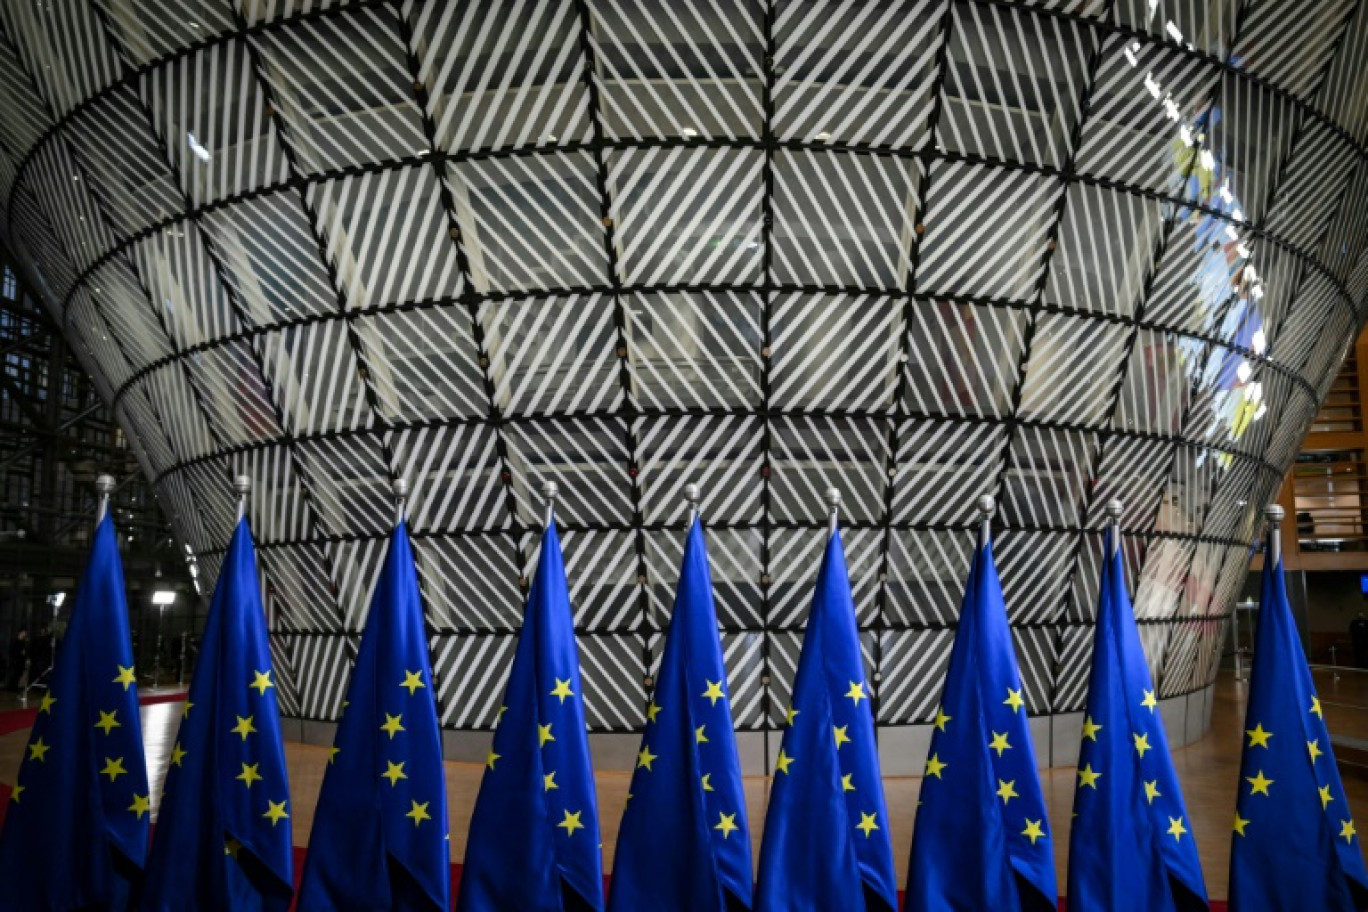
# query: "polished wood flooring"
[[1207, 769]]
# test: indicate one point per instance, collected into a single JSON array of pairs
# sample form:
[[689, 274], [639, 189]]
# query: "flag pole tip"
[[550, 490], [104, 484], [692, 494], [1114, 508], [401, 488], [1275, 513], [243, 485], [987, 505], [833, 498]]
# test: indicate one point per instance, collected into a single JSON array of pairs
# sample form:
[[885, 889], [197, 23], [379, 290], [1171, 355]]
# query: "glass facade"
[[918, 250]]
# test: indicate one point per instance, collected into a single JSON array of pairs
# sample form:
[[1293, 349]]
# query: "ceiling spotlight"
[[824, 136], [689, 132], [201, 153]]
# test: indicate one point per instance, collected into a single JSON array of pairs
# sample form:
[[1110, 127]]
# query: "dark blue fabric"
[[381, 819], [75, 837], [223, 838]]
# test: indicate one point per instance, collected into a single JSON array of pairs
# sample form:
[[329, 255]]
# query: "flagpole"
[[243, 485], [691, 497], [833, 499], [401, 490], [104, 486], [549, 491], [1275, 514], [987, 506], [1114, 523]]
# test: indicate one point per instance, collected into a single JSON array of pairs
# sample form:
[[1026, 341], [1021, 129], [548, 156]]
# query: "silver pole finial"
[[243, 485], [692, 495], [1114, 509], [401, 492], [987, 506], [1275, 514], [104, 486], [833, 499], [549, 491]]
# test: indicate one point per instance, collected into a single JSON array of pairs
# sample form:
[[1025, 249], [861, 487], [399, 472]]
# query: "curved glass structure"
[[919, 250]]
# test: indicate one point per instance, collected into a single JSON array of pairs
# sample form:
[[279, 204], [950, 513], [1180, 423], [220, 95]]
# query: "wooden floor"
[[1208, 771]]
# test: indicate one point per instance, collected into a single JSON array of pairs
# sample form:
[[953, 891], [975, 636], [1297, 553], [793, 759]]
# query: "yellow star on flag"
[[108, 721], [1325, 796], [413, 681], [113, 768], [562, 690], [393, 725], [1149, 702], [792, 714], [14, 795], [544, 734], [1151, 791], [419, 812], [1258, 737], [1033, 830], [231, 847], [1007, 790], [1088, 777], [839, 731], [1240, 824], [549, 781], [332, 753], [1313, 748], [847, 783], [489, 761], [699, 736], [1176, 828], [185, 710], [394, 772], [782, 764], [261, 680], [46, 705], [1090, 728], [244, 727], [714, 692], [646, 758], [726, 824], [1315, 707], [707, 786], [1141, 743], [1258, 785], [856, 692], [652, 711], [868, 823], [125, 677], [934, 766], [571, 823], [177, 754], [999, 743], [941, 718], [275, 811], [38, 750], [1347, 830], [249, 774], [1014, 699]]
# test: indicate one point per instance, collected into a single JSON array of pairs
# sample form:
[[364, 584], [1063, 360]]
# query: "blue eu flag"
[[379, 834], [534, 839], [1131, 846], [76, 827], [684, 844], [982, 837], [223, 834], [1294, 844], [826, 832]]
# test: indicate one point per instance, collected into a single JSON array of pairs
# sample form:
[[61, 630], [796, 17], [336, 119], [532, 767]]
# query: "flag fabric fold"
[[1131, 844], [223, 837], [826, 842], [1294, 844], [684, 844], [76, 826], [982, 836], [379, 838], [534, 839]]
